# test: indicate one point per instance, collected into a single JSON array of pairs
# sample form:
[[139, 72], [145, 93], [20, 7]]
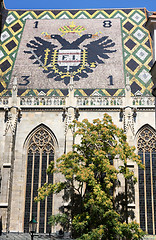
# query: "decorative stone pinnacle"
[[71, 84], [127, 82], [14, 92], [15, 81]]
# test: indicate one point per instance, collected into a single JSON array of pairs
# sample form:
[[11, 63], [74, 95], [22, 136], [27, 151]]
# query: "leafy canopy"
[[90, 181]]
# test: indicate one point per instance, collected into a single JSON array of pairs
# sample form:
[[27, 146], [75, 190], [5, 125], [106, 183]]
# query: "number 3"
[[25, 78]]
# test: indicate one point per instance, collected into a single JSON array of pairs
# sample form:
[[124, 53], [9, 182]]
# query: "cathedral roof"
[[96, 47]]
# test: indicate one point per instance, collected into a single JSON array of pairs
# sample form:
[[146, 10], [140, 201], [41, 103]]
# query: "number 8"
[[107, 23]]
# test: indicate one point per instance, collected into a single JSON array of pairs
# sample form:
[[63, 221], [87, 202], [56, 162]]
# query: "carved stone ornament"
[[147, 140], [11, 120], [129, 122]]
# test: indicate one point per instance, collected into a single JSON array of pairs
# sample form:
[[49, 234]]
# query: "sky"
[[150, 5]]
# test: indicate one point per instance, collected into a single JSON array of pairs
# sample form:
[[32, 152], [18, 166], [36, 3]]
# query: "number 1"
[[111, 80], [36, 24]]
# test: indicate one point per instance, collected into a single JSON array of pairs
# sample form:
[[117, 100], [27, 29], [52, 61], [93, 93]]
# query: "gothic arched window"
[[40, 153], [147, 179]]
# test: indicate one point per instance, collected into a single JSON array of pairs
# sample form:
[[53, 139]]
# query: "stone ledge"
[[26, 236], [150, 237], [6, 165], [3, 205]]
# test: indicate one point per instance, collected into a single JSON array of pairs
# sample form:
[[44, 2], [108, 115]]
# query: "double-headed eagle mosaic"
[[60, 63]]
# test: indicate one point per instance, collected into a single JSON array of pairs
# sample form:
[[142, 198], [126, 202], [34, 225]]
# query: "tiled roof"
[[135, 38]]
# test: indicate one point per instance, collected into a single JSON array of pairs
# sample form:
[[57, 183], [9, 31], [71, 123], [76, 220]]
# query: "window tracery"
[[146, 140], [147, 179], [40, 153]]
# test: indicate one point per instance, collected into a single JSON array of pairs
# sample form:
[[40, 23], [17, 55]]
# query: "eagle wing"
[[99, 49], [39, 50]]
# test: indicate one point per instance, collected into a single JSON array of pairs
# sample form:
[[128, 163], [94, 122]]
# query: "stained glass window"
[[147, 179], [40, 153]]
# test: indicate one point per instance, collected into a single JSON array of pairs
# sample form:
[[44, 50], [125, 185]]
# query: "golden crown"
[[72, 28]]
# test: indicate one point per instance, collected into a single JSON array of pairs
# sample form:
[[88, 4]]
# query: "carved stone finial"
[[14, 84], [128, 88], [71, 84], [14, 92]]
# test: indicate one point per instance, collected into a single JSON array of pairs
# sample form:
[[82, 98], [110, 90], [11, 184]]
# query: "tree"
[[90, 181]]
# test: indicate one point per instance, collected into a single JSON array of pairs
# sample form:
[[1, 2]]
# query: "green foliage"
[[61, 219], [131, 231], [90, 180]]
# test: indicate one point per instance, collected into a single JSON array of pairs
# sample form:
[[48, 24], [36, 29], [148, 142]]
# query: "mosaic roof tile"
[[128, 26], [130, 44], [135, 87], [132, 64], [136, 47]]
